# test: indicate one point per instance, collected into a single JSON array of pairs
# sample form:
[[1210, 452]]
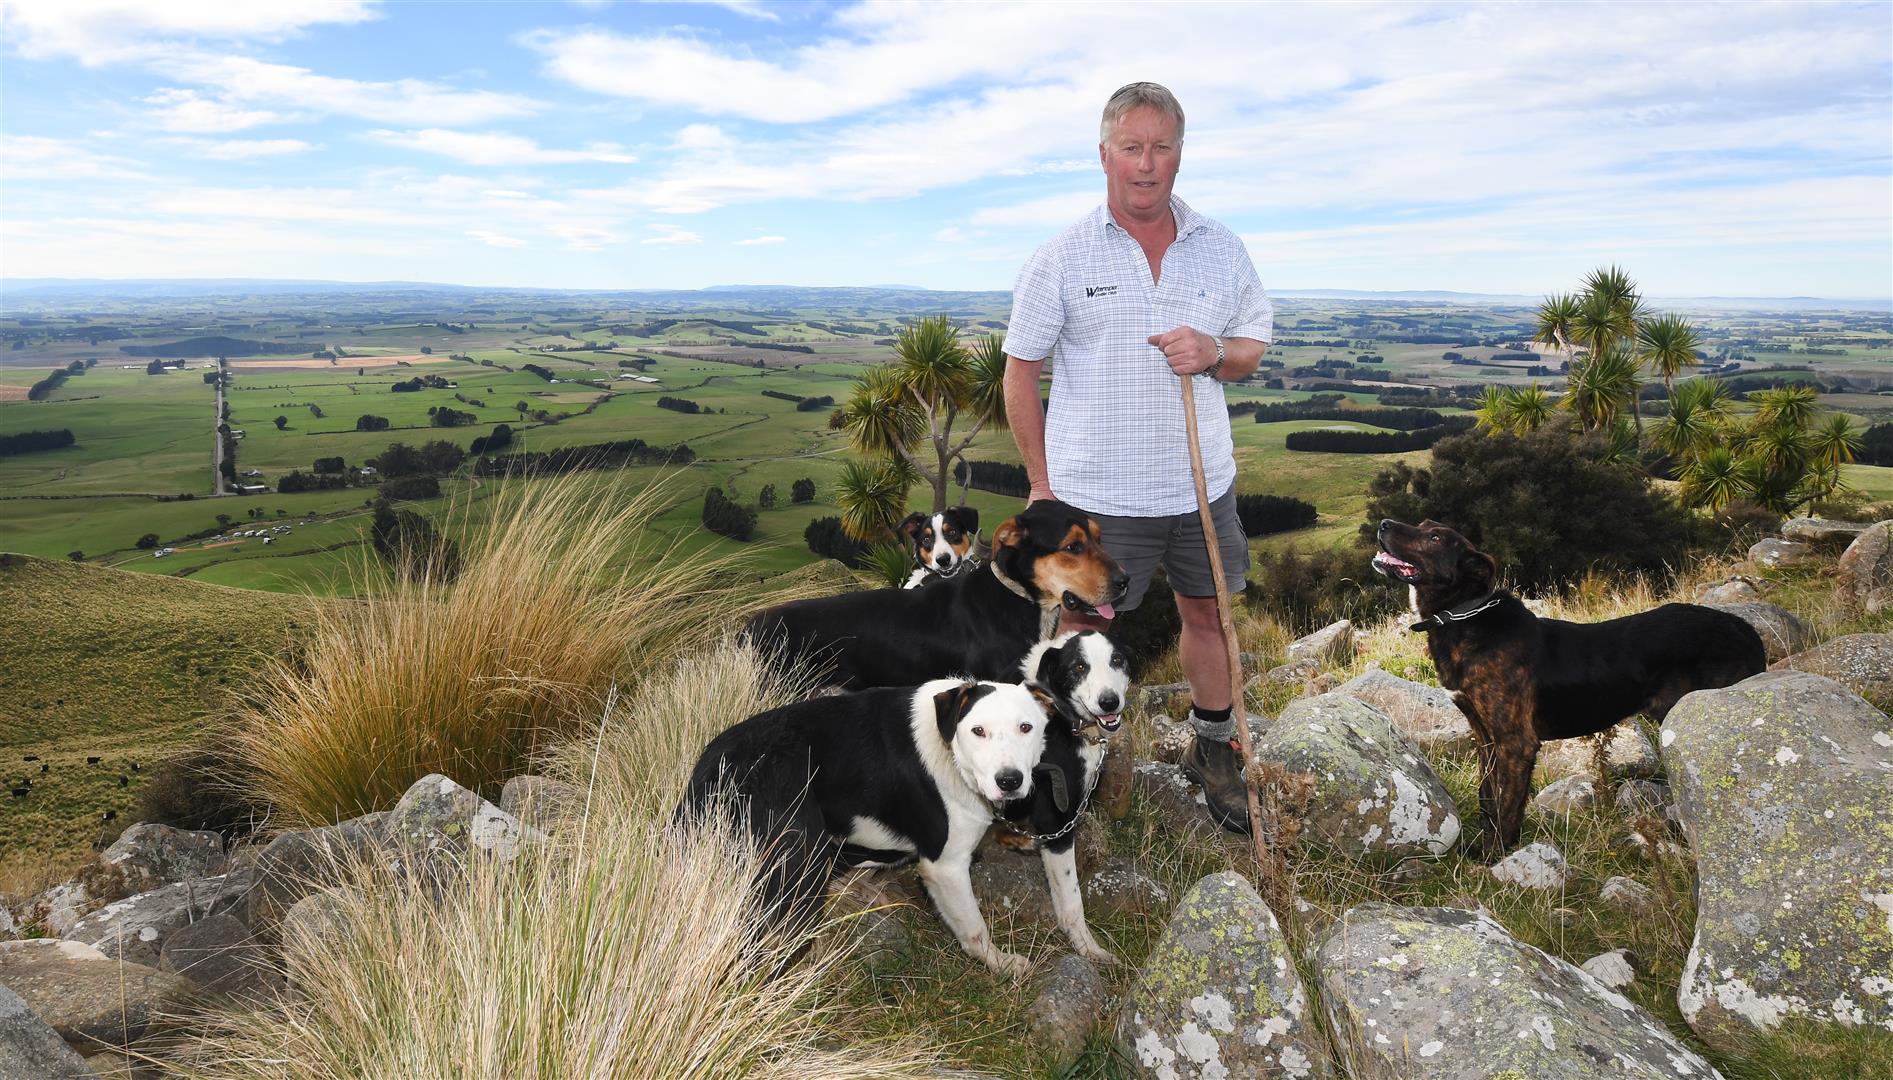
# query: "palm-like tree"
[[1713, 478], [898, 409], [1666, 345], [872, 495], [1793, 406], [1835, 441], [1557, 317], [1495, 409], [1604, 388], [1694, 418], [1529, 409]]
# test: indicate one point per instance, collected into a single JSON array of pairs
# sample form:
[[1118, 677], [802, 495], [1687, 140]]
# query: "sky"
[[1735, 149]]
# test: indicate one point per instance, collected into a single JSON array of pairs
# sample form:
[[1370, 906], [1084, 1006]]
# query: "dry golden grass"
[[618, 951], [473, 678]]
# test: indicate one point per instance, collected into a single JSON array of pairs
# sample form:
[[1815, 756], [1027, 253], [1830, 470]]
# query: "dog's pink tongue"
[[1107, 611]]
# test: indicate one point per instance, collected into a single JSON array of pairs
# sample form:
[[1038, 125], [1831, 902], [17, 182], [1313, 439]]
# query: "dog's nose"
[[1382, 530], [944, 561], [1108, 701], [1009, 779], [1120, 583]]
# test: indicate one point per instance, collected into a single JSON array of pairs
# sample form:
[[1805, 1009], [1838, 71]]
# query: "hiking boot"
[[1215, 765]]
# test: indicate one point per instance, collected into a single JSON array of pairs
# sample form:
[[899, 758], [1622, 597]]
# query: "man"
[[1137, 293]]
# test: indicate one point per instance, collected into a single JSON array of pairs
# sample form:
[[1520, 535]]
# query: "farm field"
[[321, 363]]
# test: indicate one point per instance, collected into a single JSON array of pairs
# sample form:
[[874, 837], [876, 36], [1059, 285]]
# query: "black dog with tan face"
[[1522, 680], [978, 623]]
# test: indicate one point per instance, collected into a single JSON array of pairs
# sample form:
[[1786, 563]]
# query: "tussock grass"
[[554, 604], [622, 951]]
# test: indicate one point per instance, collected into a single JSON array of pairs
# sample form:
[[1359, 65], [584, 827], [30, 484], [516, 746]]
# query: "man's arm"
[[1189, 351], [1025, 415]]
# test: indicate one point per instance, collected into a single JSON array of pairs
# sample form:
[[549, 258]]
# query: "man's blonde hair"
[[1134, 95]]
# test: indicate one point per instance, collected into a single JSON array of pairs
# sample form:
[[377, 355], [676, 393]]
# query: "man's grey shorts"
[[1141, 544]]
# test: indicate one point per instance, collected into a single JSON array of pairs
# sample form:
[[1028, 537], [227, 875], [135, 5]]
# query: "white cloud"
[[758, 241], [585, 237], [493, 239], [96, 32], [182, 110], [240, 149], [398, 101], [497, 148], [671, 234], [30, 158]]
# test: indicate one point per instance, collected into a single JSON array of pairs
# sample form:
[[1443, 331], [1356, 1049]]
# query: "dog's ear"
[[1475, 565], [911, 525], [1047, 670], [1009, 533], [971, 517], [951, 704]]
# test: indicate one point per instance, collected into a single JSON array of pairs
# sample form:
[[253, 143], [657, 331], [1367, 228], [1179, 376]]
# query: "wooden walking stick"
[[1267, 860]]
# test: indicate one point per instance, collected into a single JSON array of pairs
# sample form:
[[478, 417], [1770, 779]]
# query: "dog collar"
[[1000, 576], [1458, 613], [1061, 797], [968, 563]]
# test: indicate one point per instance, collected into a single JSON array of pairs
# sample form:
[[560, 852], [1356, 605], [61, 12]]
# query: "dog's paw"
[[1098, 954], [1009, 964]]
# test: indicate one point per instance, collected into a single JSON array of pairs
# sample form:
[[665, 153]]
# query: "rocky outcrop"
[[1072, 998], [1218, 996], [1424, 714], [1773, 552], [1736, 590], [1565, 797], [1862, 663], [1782, 633], [29, 1047], [1448, 994], [1332, 644], [1781, 782], [221, 956], [86, 996], [1807, 530], [1371, 794], [163, 854], [1866, 570], [1628, 754], [136, 927]]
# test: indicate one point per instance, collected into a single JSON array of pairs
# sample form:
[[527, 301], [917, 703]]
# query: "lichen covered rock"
[[1862, 663], [1218, 996], [1449, 995], [1373, 795], [1333, 643], [1865, 571], [1425, 714], [1781, 782]]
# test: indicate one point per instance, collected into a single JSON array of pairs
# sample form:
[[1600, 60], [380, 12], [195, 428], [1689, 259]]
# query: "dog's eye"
[[953, 536], [1076, 547], [979, 731], [1117, 660], [1081, 669], [1025, 729]]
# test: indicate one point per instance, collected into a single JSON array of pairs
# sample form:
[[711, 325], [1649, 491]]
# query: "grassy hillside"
[[125, 667]]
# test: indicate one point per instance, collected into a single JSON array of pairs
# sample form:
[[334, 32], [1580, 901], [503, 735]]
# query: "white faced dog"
[[1088, 678], [876, 778]]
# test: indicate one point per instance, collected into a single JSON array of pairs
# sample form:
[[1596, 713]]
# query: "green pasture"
[[134, 432]]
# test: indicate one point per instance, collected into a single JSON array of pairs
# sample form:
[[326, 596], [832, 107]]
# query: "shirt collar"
[[1188, 220]]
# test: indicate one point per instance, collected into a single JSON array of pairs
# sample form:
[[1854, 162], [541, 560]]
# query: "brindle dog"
[[1522, 680]]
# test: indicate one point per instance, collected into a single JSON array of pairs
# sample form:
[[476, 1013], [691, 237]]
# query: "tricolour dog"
[[1522, 680], [1088, 678], [977, 623], [878, 778], [941, 544]]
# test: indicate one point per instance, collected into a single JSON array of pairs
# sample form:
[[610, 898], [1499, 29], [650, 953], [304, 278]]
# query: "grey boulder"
[[437, 822], [166, 854], [1862, 663], [1774, 552], [29, 1047], [1425, 714], [220, 955], [1072, 998], [1865, 572], [88, 997], [1809, 530], [1333, 643], [1781, 782], [1782, 633], [1450, 995], [1627, 754], [303, 861], [1218, 996], [136, 927], [1371, 794]]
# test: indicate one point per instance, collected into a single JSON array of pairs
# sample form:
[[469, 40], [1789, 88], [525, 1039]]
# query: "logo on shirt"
[[1100, 290]]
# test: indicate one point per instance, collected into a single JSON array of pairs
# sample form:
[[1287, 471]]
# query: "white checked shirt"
[[1114, 437]]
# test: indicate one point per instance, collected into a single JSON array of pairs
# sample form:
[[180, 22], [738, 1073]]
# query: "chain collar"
[[1083, 800], [1457, 613]]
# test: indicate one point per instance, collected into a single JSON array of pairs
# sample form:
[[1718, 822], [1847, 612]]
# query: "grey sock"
[[1215, 730]]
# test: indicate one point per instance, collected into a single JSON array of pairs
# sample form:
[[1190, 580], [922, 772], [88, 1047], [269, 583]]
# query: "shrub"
[[330, 465], [371, 423], [44, 388], [826, 537], [25, 442], [725, 518], [1548, 507], [1305, 592], [802, 491], [998, 477], [147, 541], [446, 417], [766, 498], [1372, 442], [677, 404], [411, 487], [550, 611], [411, 546], [1265, 514]]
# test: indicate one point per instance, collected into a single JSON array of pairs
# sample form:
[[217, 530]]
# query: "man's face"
[[1140, 162]]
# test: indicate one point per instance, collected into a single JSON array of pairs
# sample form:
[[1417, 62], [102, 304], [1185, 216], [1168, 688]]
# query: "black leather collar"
[[1457, 613]]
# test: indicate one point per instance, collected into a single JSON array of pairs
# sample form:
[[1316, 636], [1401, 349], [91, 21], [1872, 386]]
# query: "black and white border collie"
[[977, 624], [941, 544], [878, 778], [1088, 679]]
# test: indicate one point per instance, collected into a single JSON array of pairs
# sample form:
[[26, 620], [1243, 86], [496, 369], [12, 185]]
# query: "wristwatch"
[[1210, 371]]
